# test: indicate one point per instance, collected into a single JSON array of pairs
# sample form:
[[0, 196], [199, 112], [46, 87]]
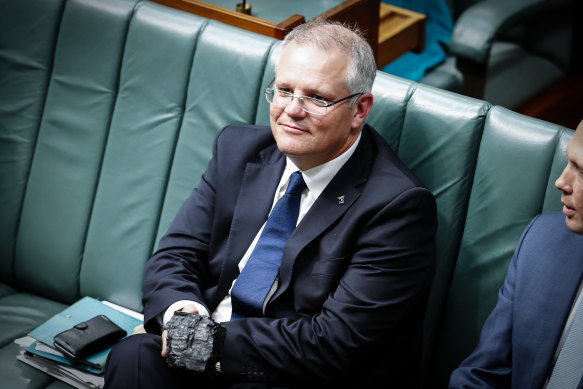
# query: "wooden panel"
[[237, 19], [400, 31], [391, 31]]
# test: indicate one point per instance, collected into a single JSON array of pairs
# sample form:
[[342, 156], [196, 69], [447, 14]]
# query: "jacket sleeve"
[[490, 364], [178, 270], [190, 258]]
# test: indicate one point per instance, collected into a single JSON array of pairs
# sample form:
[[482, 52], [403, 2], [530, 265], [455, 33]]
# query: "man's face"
[[571, 183], [311, 140]]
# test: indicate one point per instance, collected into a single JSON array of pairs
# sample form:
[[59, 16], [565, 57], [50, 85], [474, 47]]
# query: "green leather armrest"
[[477, 27]]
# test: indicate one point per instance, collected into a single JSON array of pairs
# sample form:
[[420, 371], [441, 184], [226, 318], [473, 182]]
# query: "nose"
[[562, 182], [294, 108]]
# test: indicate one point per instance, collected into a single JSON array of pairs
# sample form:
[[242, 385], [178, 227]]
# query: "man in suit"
[[524, 335], [348, 302]]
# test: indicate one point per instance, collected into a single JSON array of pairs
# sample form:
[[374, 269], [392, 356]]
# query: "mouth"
[[293, 129], [567, 210]]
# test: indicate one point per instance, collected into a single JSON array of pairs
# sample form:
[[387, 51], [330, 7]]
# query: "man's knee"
[[128, 356], [130, 348]]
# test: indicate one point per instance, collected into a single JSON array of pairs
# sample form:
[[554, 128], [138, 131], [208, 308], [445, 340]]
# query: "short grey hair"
[[327, 35]]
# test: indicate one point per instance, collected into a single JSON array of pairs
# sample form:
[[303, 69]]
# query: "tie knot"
[[296, 184]]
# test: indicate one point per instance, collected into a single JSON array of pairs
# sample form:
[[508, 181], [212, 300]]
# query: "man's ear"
[[363, 106]]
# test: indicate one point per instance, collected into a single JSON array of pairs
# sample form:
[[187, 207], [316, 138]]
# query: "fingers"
[[190, 308], [164, 343]]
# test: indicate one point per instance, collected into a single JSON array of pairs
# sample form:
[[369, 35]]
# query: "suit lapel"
[[254, 202], [327, 209]]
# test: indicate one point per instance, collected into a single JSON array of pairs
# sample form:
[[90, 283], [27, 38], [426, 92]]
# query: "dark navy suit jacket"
[[520, 337], [354, 277]]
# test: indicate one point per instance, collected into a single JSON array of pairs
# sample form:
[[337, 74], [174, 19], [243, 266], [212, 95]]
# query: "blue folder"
[[81, 311]]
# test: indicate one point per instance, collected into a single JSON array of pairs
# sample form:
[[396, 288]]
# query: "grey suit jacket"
[[519, 339]]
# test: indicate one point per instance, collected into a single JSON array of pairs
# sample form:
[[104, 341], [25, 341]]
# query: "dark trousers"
[[136, 363]]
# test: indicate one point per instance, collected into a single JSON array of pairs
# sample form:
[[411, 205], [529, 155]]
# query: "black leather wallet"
[[88, 337]]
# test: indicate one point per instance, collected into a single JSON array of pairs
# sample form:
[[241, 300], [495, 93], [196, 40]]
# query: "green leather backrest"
[[69, 149], [25, 68], [262, 115], [138, 156], [438, 137], [131, 107], [225, 80], [518, 161]]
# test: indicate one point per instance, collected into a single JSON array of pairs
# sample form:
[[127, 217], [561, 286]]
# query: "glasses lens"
[[282, 99], [269, 95], [277, 97], [317, 107]]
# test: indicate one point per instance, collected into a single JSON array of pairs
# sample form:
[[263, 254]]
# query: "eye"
[[318, 97], [319, 100], [284, 91]]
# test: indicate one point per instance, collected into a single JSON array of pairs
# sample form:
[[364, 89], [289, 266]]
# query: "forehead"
[[575, 146], [311, 65]]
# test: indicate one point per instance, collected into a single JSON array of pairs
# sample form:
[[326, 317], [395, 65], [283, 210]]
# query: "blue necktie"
[[257, 277], [569, 366]]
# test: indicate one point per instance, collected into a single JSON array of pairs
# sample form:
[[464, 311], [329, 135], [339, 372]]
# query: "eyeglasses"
[[309, 104]]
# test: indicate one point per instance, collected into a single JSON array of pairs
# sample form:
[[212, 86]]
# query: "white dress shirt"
[[316, 180]]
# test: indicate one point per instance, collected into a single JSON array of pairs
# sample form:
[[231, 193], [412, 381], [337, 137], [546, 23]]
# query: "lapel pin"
[[340, 200]]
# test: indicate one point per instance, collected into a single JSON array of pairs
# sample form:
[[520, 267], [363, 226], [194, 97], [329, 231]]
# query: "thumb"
[[164, 343]]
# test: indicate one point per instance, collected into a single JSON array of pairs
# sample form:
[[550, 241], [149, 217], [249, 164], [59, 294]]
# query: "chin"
[[575, 226], [291, 151], [289, 146]]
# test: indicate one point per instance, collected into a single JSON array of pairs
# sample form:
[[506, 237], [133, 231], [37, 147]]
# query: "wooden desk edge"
[[408, 32], [234, 18]]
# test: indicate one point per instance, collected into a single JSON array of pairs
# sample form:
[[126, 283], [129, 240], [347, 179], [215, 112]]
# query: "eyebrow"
[[572, 160], [309, 91]]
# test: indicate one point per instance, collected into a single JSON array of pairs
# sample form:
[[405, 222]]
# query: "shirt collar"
[[317, 178]]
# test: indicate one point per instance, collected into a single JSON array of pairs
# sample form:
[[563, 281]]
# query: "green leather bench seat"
[[108, 111]]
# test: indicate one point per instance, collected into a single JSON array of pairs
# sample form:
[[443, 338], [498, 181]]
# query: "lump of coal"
[[194, 342]]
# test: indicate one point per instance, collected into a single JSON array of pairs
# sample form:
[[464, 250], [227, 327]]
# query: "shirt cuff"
[[177, 306]]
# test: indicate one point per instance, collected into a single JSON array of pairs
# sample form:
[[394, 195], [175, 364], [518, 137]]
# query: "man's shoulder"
[[549, 222], [245, 140], [247, 128], [245, 133], [547, 238], [389, 167]]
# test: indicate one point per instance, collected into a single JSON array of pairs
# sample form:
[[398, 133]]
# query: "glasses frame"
[[301, 99]]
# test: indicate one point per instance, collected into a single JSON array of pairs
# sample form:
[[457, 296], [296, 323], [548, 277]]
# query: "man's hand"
[[188, 309]]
